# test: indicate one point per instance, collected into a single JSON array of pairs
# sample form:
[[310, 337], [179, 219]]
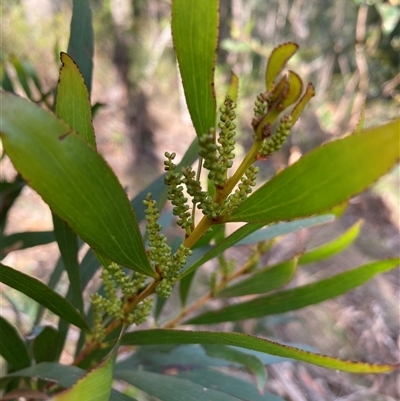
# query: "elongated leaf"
[[23, 77], [147, 337], [233, 87], [64, 375], [68, 244], [170, 388], [160, 303], [227, 384], [62, 332], [74, 180], [251, 362], [89, 265], [95, 386], [302, 103], [184, 287], [6, 82], [28, 394], [264, 280], [324, 177], [80, 45], [25, 240], [268, 359], [42, 294], [338, 245], [295, 90], [216, 233], [9, 192], [44, 345], [299, 297], [73, 106], [53, 281], [251, 233], [12, 347], [118, 396], [158, 359], [277, 61], [72, 102], [194, 33], [279, 229]]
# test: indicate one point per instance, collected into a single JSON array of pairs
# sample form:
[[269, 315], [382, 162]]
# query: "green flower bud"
[[201, 198], [163, 289], [175, 195], [159, 251], [244, 189], [274, 143], [141, 312]]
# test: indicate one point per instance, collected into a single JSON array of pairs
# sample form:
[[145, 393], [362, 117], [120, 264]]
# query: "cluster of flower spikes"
[[275, 142], [114, 277], [159, 254], [218, 159]]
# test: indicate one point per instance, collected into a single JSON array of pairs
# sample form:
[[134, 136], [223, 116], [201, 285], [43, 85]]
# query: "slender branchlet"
[[213, 282]]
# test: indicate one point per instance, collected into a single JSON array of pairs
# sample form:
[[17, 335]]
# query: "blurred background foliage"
[[349, 50]]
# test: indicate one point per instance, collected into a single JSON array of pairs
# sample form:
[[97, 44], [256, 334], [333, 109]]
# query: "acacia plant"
[[55, 153]]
